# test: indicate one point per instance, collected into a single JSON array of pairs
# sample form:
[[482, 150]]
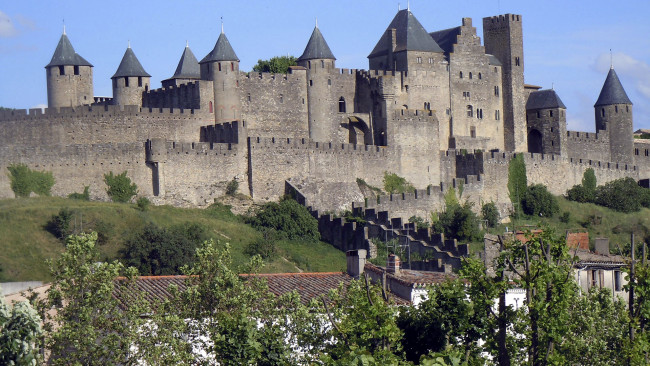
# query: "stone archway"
[[358, 131], [535, 139]]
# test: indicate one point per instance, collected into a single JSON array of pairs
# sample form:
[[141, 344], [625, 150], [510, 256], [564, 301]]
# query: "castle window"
[[461, 74], [646, 152], [311, 83], [496, 90], [219, 66], [497, 115], [627, 109], [470, 111], [126, 81], [479, 113], [249, 97], [232, 66], [210, 106], [516, 61], [281, 98], [76, 70], [341, 105], [616, 108], [480, 76], [538, 114], [329, 81], [303, 100], [602, 112], [636, 151], [418, 60], [322, 64], [140, 81], [470, 75], [61, 70], [430, 60], [550, 113], [309, 64]]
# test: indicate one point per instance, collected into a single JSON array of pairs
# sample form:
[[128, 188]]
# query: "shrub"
[[142, 204], [623, 195], [566, 217], [517, 181], [231, 187], [60, 224], [262, 247], [120, 189], [538, 201], [419, 222], [289, 218], [458, 222], [586, 192], [393, 183], [24, 181], [490, 214], [85, 196]]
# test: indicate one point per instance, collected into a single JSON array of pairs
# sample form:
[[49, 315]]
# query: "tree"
[[490, 214], [20, 330], [458, 222], [623, 195], [585, 192], [288, 218], [517, 180], [84, 323], [393, 183], [538, 201], [120, 189], [276, 65]]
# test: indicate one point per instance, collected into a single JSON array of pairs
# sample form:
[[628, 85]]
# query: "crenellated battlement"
[[159, 150], [502, 20], [308, 144], [100, 111], [589, 137]]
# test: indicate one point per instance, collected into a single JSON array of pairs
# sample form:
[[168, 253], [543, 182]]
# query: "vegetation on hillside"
[[24, 181], [119, 187]]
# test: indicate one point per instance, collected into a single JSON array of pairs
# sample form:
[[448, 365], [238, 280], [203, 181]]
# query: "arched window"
[[341, 105], [470, 75], [480, 76], [470, 111]]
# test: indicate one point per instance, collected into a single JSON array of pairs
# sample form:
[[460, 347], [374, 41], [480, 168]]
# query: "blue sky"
[[566, 43]]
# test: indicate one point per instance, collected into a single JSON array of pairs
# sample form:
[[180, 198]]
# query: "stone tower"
[[130, 80], [69, 77], [221, 66], [319, 62], [546, 119], [504, 39], [614, 116]]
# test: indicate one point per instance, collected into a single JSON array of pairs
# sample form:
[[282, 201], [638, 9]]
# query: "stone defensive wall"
[[274, 160], [642, 157], [192, 95], [275, 104], [228, 132], [588, 145], [99, 124]]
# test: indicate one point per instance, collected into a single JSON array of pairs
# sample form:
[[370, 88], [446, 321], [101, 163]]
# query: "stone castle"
[[437, 108]]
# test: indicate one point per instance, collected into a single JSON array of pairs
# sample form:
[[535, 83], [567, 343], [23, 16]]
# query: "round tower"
[[69, 77], [130, 80], [221, 66], [613, 111], [319, 62]]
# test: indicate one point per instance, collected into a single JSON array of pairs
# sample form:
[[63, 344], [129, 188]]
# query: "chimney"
[[356, 262], [602, 246], [392, 264]]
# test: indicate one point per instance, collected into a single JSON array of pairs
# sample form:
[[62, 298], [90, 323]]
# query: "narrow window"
[[480, 76], [76, 70], [210, 106], [461, 74], [311, 82], [496, 115], [249, 97], [430, 60], [232, 66], [322, 64], [496, 90], [146, 87], [602, 112], [627, 109], [647, 153], [61, 70], [329, 81], [309, 64], [342, 105], [516, 61], [219, 66], [126, 81], [281, 98], [616, 109], [140, 81], [470, 75], [636, 151], [550, 113], [470, 111]]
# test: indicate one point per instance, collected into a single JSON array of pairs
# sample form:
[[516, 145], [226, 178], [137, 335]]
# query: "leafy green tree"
[[517, 180], [163, 251], [84, 324], [120, 189], [288, 218], [585, 192], [24, 181], [393, 183], [538, 201], [20, 331], [458, 222], [490, 214], [277, 64], [623, 195]]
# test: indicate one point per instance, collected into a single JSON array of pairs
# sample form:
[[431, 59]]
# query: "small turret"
[[221, 66], [130, 80], [69, 77], [187, 70], [546, 119], [319, 60], [613, 111]]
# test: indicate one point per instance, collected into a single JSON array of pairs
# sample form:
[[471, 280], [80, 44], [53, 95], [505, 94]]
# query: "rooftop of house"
[[411, 278]]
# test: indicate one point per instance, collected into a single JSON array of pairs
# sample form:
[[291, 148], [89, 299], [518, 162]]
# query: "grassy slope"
[[25, 244]]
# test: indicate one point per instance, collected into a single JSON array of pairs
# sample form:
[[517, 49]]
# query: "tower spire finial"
[[129, 43], [63, 26], [399, 7], [611, 59], [408, 5], [221, 25], [316, 22], [187, 43]]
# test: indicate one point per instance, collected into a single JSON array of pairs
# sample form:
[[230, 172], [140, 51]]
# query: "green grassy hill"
[[26, 244]]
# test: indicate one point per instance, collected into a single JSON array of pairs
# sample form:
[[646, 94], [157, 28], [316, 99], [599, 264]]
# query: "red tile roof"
[[580, 240]]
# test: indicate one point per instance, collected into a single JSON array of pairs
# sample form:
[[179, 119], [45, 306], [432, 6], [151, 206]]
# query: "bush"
[[393, 183], [231, 187], [60, 224], [623, 195], [85, 196], [24, 181], [262, 247], [289, 218], [517, 181], [142, 204], [120, 189], [566, 217], [490, 214], [458, 222], [586, 192], [538, 201]]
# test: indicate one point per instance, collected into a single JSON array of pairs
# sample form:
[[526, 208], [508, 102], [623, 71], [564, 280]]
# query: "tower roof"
[[612, 92], [544, 99], [222, 51], [65, 54], [411, 36], [130, 66], [317, 47], [446, 38], [188, 66]]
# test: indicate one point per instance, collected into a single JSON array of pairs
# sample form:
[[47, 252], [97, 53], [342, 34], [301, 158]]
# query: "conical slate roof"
[[544, 99], [65, 54], [130, 66], [612, 92], [317, 47], [222, 51], [188, 66], [411, 36]]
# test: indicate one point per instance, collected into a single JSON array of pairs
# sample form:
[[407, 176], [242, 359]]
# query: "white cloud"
[[627, 66], [7, 28]]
